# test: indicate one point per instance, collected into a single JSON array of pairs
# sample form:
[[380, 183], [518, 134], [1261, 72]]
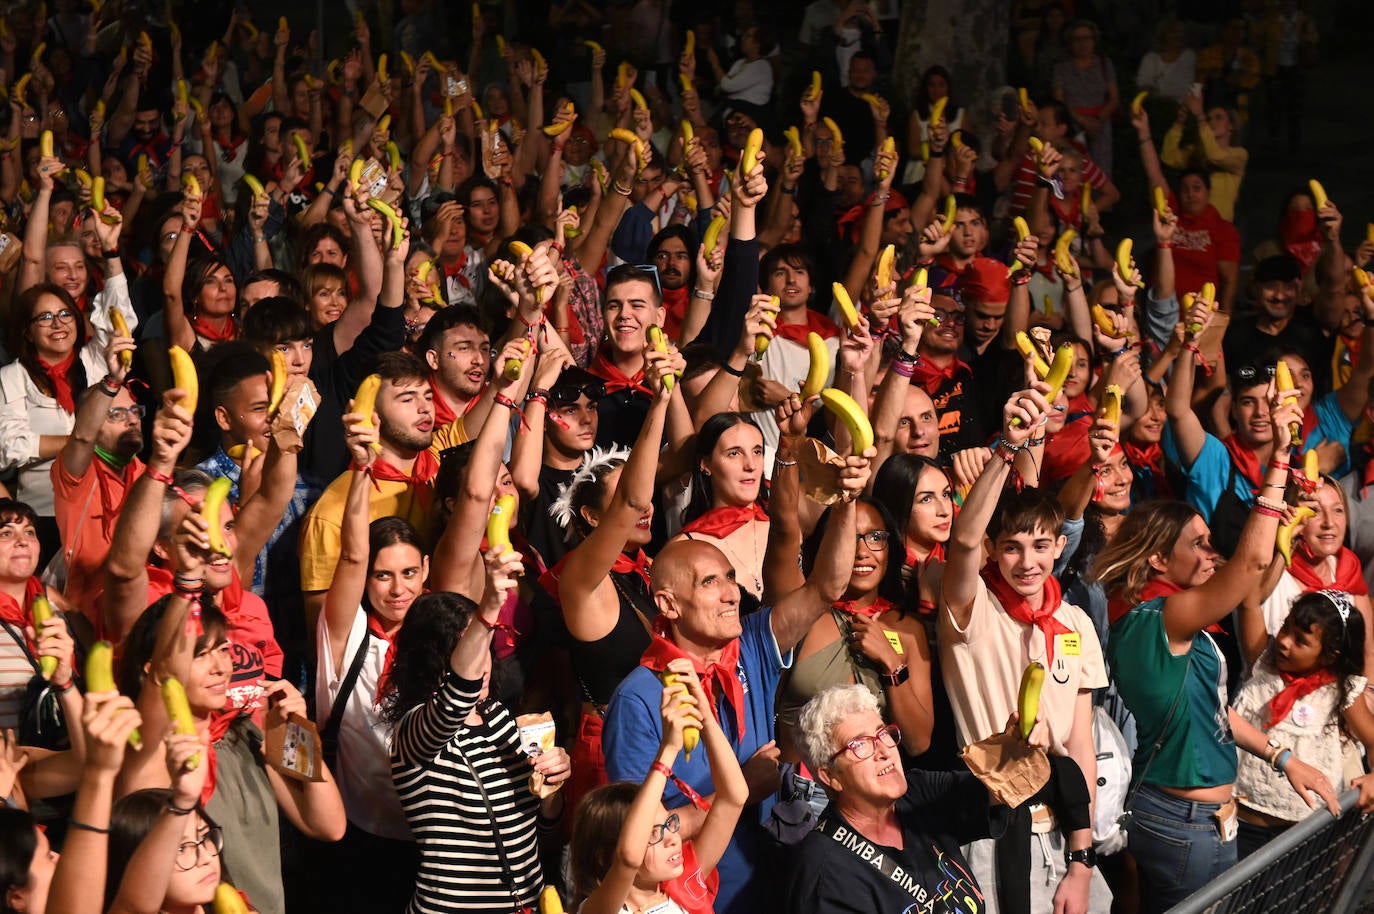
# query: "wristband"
[[1164, 246], [1271, 504], [497, 626], [110, 387], [897, 676], [112, 254], [903, 368], [784, 463], [661, 769], [1282, 759], [157, 475], [728, 369], [64, 689], [82, 826], [177, 810], [704, 296]]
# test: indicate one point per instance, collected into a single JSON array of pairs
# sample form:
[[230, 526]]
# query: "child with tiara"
[[1305, 694]]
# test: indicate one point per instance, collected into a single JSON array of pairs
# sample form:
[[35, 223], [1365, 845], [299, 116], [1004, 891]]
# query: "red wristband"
[[662, 769]]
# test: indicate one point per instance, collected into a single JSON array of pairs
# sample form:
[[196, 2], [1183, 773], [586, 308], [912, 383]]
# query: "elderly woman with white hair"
[[890, 838]]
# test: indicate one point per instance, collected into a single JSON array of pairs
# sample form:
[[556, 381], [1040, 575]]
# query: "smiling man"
[[632, 304], [459, 355], [740, 661], [995, 620], [946, 378]]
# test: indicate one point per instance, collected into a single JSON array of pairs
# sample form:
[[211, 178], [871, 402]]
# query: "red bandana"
[[936, 556], [1294, 688], [1145, 458], [383, 681], [443, 413], [422, 474], [719, 679], [1246, 460], [624, 564], [721, 522], [815, 322], [1019, 608], [1349, 575], [932, 376], [615, 379], [57, 379], [871, 611], [675, 310], [205, 330]]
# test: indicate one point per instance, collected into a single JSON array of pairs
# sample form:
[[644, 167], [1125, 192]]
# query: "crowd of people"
[[603, 464]]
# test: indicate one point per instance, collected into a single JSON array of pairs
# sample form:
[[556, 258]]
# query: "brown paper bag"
[[298, 406], [537, 736], [1012, 769], [820, 469], [292, 748]]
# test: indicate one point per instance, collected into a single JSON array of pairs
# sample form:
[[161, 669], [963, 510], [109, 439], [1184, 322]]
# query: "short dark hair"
[[1025, 512], [400, 366], [276, 320], [232, 364], [13, 510], [446, 319], [628, 272], [287, 285], [312, 237], [794, 255]]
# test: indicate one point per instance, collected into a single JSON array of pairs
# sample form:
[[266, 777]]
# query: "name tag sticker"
[[1069, 645], [895, 640]]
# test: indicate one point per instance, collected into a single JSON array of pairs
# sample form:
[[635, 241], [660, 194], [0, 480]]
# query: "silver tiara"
[[597, 460], [1343, 603]]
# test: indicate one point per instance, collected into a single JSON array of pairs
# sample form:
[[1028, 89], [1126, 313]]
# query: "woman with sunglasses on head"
[[627, 850], [58, 355]]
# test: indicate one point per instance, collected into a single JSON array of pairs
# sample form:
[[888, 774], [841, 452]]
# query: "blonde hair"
[[1152, 528]]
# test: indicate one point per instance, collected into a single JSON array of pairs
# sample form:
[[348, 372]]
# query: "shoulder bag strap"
[[1139, 778], [506, 869], [23, 643], [330, 733]]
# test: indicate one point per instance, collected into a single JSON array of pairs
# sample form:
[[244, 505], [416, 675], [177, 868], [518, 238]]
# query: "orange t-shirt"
[[87, 508]]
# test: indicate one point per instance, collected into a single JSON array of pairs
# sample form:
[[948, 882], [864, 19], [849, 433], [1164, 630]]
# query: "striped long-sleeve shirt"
[[436, 760]]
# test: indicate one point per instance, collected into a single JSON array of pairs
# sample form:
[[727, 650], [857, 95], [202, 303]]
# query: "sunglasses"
[[567, 396], [1249, 374]]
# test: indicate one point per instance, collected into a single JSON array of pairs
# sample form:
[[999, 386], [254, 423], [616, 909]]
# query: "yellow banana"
[[1138, 101], [752, 147], [815, 88], [1085, 199], [21, 88], [365, 402], [1363, 281], [393, 156], [685, 82], [1056, 376], [1209, 293], [956, 139], [45, 146], [762, 340], [659, 341], [889, 148], [937, 110], [522, 250], [1028, 349], [179, 711], [1049, 304], [625, 136], [848, 314], [514, 367], [228, 900], [819, 369], [951, 211], [853, 417], [1062, 258], [192, 185], [211, 508], [883, 272], [1104, 323], [1111, 404], [121, 328], [872, 100], [1318, 193], [691, 736], [501, 46], [689, 44], [398, 231], [302, 151], [793, 137], [382, 75], [1028, 697], [638, 98], [1283, 539], [540, 64], [1024, 97], [40, 611], [184, 377], [408, 62], [355, 174], [836, 137], [499, 523], [1311, 465], [277, 389], [1161, 202], [283, 25], [1283, 382], [925, 151], [243, 452], [711, 236], [595, 46], [622, 74], [1123, 262], [36, 58], [183, 92], [920, 278], [1036, 144], [384, 122], [100, 678], [1369, 232], [549, 902], [254, 186], [1022, 229]]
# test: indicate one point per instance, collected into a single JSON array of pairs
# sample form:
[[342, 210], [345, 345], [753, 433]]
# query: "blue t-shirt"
[[1332, 425], [634, 729], [1208, 475]]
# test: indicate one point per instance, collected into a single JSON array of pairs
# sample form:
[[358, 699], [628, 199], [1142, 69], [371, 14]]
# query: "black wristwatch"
[[897, 676], [1087, 856]]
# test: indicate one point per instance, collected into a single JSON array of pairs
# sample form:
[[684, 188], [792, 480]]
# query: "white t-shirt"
[[363, 771]]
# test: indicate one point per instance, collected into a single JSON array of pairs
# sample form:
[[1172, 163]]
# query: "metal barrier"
[[1319, 866]]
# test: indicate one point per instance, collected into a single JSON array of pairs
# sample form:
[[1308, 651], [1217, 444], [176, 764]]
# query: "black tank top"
[[600, 665]]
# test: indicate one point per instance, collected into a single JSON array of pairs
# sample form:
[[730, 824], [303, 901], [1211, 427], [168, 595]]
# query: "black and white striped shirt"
[[436, 759]]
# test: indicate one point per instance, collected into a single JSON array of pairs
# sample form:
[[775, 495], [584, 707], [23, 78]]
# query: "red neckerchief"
[[230, 150], [615, 379], [1066, 450], [931, 376], [720, 678], [815, 322], [1019, 608], [674, 310], [1349, 575], [20, 616], [455, 269], [1155, 587], [443, 413], [721, 522], [1150, 457], [61, 387], [206, 330], [421, 475], [384, 680], [693, 891], [871, 611], [1294, 688], [1247, 462], [937, 556], [640, 565]]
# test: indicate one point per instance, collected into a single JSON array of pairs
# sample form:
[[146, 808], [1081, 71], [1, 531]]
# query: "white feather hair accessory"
[[599, 460]]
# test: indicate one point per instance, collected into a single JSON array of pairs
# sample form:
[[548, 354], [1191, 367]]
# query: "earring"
[[705, 472]]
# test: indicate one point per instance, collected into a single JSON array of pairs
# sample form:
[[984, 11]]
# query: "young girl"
[[650, 866], [1304, 693]]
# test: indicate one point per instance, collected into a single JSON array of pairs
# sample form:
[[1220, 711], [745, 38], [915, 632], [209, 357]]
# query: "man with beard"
[[91, 476], [458, 352], [948, 379], [144, 136], [673, 252]]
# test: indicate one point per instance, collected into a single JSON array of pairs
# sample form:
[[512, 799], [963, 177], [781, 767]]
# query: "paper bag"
[[820, 469], [536, 738], [292, 747], [298, 406], [1012, 769]]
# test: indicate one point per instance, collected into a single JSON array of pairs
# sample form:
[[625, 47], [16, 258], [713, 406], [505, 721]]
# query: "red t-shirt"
[[1024, 183], [1202, 241], [87, 508]]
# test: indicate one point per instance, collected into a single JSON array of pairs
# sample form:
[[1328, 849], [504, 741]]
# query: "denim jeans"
[[1176, 846]]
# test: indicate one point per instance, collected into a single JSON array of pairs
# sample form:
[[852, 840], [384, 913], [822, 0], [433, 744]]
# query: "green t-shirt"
[[1198, 749]]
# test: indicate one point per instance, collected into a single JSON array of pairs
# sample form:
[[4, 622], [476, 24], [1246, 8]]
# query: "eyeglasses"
[[876, 539], [659, 832], [567, 396], [950, 317], [47, 317], [188, 853], [123, 413], [863, 747]]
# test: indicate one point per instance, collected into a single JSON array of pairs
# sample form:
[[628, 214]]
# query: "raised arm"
[[1189, 435], [1148, 156], [367, 261], [35, 260], [177, 326], [259, 513]]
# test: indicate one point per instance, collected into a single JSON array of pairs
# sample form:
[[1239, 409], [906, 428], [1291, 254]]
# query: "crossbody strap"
[[1139, 778], [336, 710], [839, 831], [507, 870]]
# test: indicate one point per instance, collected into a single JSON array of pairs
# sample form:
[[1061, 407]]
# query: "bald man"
[[740, 661]]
